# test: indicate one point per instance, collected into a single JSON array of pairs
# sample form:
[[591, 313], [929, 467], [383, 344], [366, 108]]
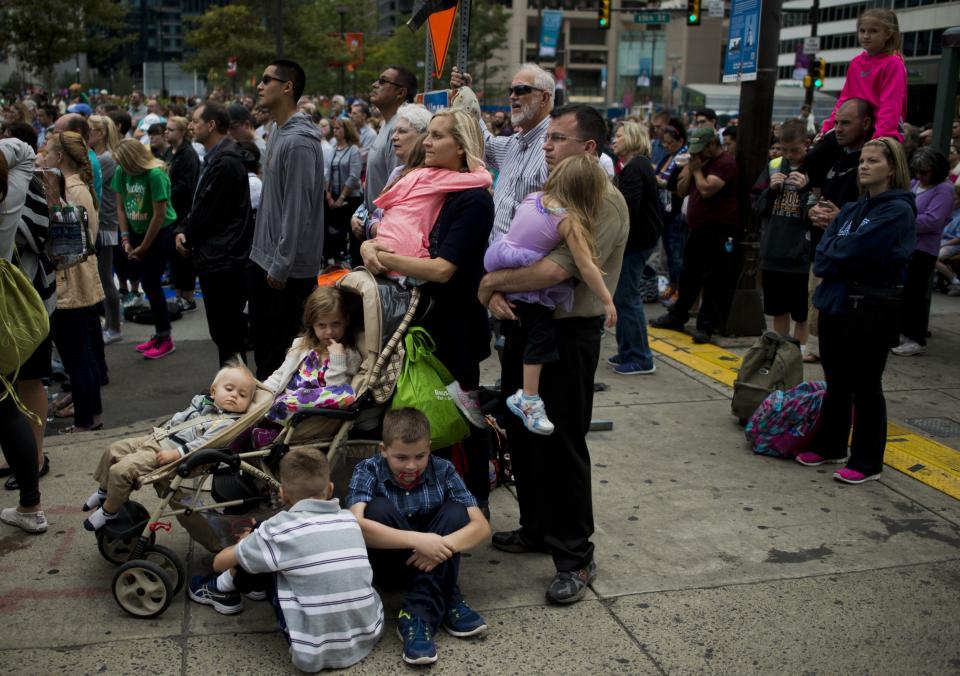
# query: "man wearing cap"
[[709, 259], [242, 127]]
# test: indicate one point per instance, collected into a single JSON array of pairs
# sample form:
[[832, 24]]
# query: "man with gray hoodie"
[[287, 250]]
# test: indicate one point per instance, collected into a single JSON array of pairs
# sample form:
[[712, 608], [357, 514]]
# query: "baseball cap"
[[697, 139], [239, 113], [81, 108]]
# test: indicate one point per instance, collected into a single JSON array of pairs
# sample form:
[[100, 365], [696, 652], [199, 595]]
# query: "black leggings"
[[916, 297], [150, 270], [20, 449]]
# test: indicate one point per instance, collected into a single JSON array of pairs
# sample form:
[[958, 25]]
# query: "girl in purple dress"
[[563, 214]]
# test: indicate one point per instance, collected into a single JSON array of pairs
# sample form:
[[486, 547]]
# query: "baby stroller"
[[225, 487]]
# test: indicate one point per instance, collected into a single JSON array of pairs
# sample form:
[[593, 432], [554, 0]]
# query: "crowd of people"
[[546, 224]]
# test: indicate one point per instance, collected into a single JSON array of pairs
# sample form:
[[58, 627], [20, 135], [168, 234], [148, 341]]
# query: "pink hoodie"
[[881, 80], [412, 204]]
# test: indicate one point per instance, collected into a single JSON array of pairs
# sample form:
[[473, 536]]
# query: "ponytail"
[[75, 148]]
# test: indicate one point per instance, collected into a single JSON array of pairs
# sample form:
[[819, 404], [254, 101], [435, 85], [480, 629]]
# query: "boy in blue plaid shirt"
[[417, 515]]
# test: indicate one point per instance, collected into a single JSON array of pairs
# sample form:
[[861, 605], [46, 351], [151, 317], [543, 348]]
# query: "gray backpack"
[[773, 363]]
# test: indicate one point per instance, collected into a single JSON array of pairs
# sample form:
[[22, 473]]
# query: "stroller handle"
[[207, 457]]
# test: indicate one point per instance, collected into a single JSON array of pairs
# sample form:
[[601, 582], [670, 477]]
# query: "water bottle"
[[728, 245]]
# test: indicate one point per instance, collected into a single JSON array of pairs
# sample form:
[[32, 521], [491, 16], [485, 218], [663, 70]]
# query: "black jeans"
[[916, 297], [20, 449], [853, 359], [151, 269], [74, 333], [553, 472], [428, 595], [709, 267], [276, 316], [337, 242], [224, 296]]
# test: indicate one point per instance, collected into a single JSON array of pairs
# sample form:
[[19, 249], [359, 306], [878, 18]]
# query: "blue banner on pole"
[[740, 63], [551, 22]]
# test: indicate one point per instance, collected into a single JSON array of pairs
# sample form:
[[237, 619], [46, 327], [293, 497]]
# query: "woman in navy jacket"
[[861, 259]]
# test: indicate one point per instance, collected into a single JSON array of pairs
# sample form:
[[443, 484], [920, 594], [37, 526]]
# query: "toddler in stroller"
[[127, 460]]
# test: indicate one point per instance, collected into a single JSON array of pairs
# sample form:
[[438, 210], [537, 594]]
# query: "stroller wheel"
[[118, 550], [142, 589], [169, 563]]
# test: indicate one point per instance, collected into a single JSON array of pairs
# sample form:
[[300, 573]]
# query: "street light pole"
[[814, 20]]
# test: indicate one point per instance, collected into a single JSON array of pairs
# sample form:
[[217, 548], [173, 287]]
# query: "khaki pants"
[[123, 463]]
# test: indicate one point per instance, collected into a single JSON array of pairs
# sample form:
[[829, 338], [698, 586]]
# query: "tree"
[[228, 31], [43, 33]]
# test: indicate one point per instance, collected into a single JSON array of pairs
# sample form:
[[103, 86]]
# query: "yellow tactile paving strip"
[[926, 460]]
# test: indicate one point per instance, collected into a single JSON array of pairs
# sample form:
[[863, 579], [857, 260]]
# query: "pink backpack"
[[787, 420]]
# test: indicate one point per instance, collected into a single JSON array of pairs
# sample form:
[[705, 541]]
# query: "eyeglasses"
[[382, 80], [267, 79], [561, 138], [522, 90]]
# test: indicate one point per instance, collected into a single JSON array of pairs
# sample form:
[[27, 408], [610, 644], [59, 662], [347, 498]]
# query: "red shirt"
[[721, 209]]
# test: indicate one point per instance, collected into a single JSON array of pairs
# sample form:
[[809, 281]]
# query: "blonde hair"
[[304, 473], [325, 301], [135, 158], [74, 148], [578, 184], [896, 159], [107, 127], [234, 364], [636, 139], [466, 133], [183, 125], [888, 20]]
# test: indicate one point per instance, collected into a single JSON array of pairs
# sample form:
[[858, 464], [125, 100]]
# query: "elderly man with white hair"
[[519, 158]]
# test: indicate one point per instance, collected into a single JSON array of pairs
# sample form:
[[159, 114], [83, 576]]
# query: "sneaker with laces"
[[462, 621], [418, 645], [852, 476], [204, 590], [569, 586], [31, 522], [908, 348], [185, 304], [468, 403], [111, 337], [532, 412], [147, 344], [615, 360], [161, 349], [811, 459], [632, 368]]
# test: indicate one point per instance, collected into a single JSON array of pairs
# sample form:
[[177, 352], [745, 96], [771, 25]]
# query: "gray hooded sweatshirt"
[[288, 239]]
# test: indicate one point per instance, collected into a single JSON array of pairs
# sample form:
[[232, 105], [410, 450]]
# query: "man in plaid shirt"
[[417, 515]]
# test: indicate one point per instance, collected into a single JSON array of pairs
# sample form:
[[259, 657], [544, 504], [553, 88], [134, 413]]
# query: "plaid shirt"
[[523, 170], [438, 483]]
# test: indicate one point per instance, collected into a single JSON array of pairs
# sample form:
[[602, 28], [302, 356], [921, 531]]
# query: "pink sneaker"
[[161, 348], [811, 459], [852, 476], [143, 347]]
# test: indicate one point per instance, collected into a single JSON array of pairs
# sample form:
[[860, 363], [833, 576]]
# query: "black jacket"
[[638, 184], [219, 227], [184, 170]]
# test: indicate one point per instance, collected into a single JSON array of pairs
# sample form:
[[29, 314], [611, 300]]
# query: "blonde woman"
[[103, 139], [458, 322], [184, 172], [75, 324], [145, 214], [638, 184]]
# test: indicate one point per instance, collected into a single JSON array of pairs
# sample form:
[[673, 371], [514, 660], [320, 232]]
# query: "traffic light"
[[818, 71], [603, 14], [693, 12]]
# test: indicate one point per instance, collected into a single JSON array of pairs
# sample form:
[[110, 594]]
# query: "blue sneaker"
[[462, 621], [615, 360], [632, 368], [204, 590], [418, 645]]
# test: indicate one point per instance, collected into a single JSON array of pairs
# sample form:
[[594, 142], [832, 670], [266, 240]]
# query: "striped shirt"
[[440, 482], [523, 170], [325, 588]]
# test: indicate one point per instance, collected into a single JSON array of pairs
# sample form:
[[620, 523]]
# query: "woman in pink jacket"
[[878, 75]]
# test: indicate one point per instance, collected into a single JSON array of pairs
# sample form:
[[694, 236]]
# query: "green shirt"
[[138, 193]]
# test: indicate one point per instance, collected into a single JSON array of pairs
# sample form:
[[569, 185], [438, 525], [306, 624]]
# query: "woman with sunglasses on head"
[[861, 258], [75, 325]]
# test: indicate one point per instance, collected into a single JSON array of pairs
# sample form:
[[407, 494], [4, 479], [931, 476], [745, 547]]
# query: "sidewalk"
[[711, 559]]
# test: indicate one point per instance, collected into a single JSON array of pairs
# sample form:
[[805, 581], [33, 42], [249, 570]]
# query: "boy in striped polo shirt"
[[312, 562], [417, 516]]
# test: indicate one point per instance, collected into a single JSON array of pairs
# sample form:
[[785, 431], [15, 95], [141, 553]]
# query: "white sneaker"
[[468, 403], [532, 412], [908, 348], [32, 522], [953, 289], [111, 337]]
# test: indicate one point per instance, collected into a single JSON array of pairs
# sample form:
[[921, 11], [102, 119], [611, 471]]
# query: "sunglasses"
[[522, 90], [382, 80], [267, 79]]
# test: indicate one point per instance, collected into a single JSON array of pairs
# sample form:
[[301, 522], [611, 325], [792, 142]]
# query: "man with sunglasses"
[[394, 87], [519, 158], [287, 250]]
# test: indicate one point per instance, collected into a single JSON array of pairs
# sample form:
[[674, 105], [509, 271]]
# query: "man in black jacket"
[[218, 231]]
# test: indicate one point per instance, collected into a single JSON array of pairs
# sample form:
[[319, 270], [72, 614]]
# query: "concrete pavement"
[[711, 559]]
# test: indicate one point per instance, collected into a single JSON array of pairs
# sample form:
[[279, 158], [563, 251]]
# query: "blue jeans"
[[632, 345], [675, 233]]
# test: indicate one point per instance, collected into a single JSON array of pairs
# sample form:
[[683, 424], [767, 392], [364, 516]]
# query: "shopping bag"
[[24, 324]]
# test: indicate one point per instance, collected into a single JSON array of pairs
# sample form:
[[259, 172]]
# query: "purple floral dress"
[[308, 389]]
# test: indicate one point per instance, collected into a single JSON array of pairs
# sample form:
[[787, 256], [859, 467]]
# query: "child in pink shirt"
[[877, 75]]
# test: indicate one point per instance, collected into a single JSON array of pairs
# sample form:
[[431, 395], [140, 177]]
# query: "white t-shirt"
[[256, 188]]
